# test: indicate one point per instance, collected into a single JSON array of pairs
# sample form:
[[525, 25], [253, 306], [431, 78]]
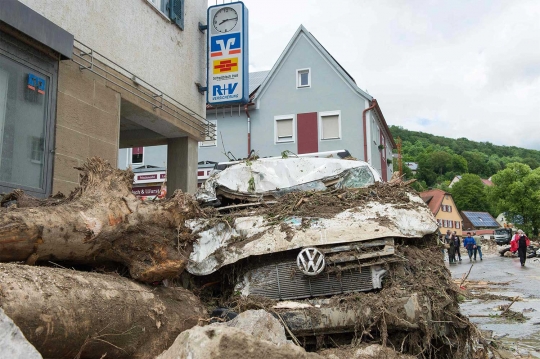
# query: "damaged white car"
[[302, 231]]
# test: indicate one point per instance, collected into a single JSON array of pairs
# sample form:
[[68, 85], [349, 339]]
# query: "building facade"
[[84, 79], [306, 103], [444, 209]]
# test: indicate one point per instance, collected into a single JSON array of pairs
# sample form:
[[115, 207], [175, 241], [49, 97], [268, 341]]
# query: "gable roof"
[[434, 198], [256, 79], [329, 58], [487, 182]]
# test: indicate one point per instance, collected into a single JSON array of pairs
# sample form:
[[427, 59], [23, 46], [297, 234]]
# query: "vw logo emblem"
[[310, 261]]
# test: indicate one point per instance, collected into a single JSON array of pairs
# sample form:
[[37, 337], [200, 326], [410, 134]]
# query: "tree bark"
[[71, 314], [101, 221]]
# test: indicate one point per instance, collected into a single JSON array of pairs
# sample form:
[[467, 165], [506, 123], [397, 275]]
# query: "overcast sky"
[[451, 68]]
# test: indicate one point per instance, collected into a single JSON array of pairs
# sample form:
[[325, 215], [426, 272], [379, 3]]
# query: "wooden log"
[[72, 314], [101, 221]]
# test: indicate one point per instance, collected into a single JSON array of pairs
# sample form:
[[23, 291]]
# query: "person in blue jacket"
[[470, 244]]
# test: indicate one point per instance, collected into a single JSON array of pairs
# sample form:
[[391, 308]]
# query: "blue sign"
[[227, 60], [36, 84], [225, 45]]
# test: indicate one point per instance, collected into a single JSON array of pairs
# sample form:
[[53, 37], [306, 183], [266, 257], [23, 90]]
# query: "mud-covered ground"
[[492, 285]]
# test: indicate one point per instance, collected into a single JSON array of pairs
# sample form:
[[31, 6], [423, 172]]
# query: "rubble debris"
[[366, 351], [243, 337], [13, 344], [67, 313], [99, 222]]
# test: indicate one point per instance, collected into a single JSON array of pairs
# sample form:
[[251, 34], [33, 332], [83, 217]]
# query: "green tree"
[[469, 194], [517, 192], [476, 161]]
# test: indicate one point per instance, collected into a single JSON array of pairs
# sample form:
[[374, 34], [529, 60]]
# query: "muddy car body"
[[304, 261]]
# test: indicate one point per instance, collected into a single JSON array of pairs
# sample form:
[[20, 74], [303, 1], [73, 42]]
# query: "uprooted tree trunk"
[[101, 221], [71, 314]]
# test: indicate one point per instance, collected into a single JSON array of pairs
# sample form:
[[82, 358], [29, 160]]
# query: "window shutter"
[[330, 127], [284, 129], [176, 12], [450, 208]]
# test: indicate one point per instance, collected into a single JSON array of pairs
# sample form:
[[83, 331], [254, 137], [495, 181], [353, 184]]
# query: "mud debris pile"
[[117, 266]]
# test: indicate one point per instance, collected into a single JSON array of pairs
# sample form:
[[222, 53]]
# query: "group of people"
[[473, 245], [519, 243]]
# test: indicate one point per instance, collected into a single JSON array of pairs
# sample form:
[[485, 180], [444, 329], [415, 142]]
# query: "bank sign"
[[227, 76]]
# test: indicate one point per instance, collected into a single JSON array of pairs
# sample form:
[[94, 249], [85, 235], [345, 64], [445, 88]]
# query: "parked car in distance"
[[503, 235]]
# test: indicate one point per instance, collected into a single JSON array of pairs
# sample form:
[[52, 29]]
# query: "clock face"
[[225, 19]]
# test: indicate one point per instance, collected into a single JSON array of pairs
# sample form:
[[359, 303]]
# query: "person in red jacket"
[[514, 242], [523, 242]]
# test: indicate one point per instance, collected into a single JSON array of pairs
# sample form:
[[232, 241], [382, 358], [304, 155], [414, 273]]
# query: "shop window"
[[330, 125], [303, 78], [24, 116], [284, 128]]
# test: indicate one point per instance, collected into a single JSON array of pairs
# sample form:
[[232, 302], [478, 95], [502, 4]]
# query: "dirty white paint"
[[222, 245], [273, 174], [136, 36]]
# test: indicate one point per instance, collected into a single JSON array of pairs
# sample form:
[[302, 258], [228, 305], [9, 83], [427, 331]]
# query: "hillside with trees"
[[441, 158], [514, 171]]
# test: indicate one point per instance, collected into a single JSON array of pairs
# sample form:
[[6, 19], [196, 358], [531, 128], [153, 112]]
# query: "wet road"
[[524, 338]]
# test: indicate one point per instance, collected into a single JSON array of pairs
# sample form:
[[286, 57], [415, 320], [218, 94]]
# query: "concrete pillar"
[[182, 158]]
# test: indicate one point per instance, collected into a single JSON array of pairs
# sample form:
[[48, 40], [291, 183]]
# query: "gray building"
[[306, 103], [80, 79]]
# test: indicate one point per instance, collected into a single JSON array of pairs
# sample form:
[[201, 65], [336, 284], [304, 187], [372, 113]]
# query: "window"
[[444, 223], [36, 152], [450, 224], [330, 125], [171, 9], [25, 97], [303, 78], [457, 224], [137, 156], [211, 135], [160, 5], [439, 223], [284, 128]]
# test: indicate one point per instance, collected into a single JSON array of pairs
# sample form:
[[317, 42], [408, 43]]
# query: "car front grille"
[[284, 281]]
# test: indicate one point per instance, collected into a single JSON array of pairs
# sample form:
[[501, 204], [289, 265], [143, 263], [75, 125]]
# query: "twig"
[[58, 265], [287, 329], [465, 278], [504, 311]]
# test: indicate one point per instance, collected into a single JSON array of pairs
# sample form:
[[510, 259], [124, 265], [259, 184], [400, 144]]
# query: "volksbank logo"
[[223, 92]]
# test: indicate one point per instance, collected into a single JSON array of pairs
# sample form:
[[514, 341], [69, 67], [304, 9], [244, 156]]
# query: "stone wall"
[[87, 123]]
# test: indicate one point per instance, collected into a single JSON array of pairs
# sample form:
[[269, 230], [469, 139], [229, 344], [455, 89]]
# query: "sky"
[[452, 68]]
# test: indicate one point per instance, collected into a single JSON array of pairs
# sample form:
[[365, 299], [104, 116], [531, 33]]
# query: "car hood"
[[226, 243]]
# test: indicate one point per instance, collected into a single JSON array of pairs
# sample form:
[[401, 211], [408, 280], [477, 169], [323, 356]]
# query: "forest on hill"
[[440, 159], [514, 171]]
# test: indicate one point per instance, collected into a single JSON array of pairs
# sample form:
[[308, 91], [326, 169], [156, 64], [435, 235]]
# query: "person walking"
[[470, 244], [457, 244], [523, 243], [447, 239], [451, 250], [478, 241]]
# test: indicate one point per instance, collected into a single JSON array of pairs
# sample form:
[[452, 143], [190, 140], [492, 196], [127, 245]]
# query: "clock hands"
[[233, 18]]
